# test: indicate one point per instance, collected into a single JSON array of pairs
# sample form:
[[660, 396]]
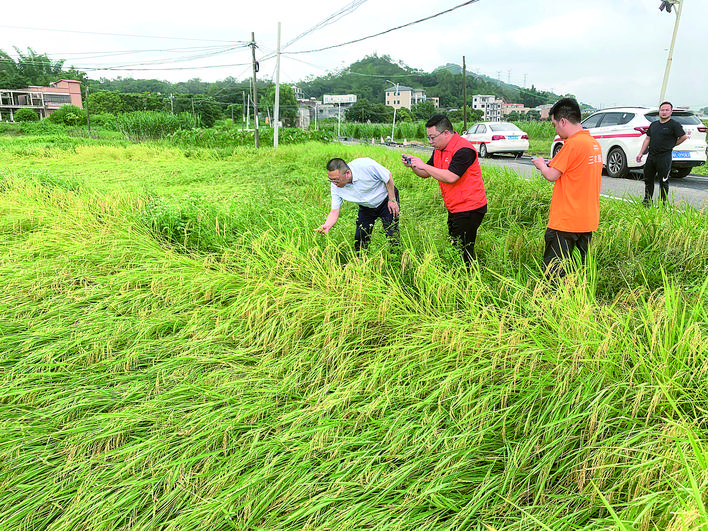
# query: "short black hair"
[[567, 108], [337, 164], [666, 103], [440, 122]]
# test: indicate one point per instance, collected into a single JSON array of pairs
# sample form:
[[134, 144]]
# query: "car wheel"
[[617, 163], [483, 151], [679, 173], [556, 149]]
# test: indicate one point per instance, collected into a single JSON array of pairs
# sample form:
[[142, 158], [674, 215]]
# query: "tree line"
[[229, 98]]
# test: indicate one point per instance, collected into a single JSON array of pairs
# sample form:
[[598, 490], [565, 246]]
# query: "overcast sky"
[[605, 52]]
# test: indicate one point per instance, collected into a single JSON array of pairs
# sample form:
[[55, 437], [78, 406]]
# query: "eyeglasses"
[[431, 138]]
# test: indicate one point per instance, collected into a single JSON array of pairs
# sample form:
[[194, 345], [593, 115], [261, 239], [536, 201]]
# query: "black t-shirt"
[[461, 160], [664, 136]]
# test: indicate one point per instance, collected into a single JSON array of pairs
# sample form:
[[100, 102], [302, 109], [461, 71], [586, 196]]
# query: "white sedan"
[[497, 137]]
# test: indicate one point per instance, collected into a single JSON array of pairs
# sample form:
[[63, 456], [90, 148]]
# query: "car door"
[[474, 135], [481, 135], [612, 131], [467, 135]]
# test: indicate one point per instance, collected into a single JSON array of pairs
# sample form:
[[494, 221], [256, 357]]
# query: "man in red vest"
[[455, 165]]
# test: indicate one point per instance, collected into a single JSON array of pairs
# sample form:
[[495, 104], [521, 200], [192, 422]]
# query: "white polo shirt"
[[368, 186]]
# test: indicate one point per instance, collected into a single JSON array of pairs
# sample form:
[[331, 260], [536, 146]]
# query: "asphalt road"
[[691, 190]]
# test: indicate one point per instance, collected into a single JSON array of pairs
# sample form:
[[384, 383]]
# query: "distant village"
[[333, 106]]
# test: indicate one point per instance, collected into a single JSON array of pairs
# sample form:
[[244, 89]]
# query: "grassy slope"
[[253, 382]]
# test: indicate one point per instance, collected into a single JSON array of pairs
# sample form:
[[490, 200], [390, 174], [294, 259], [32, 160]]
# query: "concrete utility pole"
[[276, 105], [668, 4], [393, 128], [464, 94], [255, 90], [88, 114]]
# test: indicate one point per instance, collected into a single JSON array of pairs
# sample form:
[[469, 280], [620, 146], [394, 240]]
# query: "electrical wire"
[[386, 31], [334, 17], [122, 35]]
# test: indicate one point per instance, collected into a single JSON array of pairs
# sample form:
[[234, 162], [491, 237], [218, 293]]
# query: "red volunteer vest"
[[467, 193]]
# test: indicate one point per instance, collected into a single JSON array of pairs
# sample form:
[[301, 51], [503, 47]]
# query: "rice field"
[[179, 350]]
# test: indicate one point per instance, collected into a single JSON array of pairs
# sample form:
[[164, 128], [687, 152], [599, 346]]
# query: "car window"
[[481, 128], [503, 126], [592, 121], [683, 119], [616, 118]]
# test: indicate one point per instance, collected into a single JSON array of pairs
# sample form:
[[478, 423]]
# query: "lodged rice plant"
[[256, 375]]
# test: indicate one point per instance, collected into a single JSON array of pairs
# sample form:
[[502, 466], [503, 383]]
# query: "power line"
[[334, 17], [121, 34], [388, 30]]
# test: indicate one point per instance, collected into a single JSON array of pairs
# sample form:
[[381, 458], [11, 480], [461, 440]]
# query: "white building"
[[490, 105], [401, 96]]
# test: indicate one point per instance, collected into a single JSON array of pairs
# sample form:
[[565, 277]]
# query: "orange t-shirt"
[[575, 204]]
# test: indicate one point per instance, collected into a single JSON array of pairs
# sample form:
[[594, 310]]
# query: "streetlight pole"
[[668, 4], [393, 128]]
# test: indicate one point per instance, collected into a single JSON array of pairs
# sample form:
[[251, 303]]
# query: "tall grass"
[[152, 125], [206, 361], [541, 133]]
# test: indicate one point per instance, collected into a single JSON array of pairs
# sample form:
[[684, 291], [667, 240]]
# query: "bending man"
[[368, 184]]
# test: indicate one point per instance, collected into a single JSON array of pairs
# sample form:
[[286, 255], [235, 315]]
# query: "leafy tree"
[[424, 110], [381, 113], [32, 68], [288, 103], [105, 101], [515, 116], [135, 86], [193, 86], [473, 115], [533, 98], [533, 116], [404, 115], [207, 110], [361, 111]]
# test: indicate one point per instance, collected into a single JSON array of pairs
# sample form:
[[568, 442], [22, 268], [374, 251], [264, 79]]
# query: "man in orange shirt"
[[576, 174]]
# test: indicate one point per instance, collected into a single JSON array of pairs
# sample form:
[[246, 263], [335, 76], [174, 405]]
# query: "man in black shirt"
[[662, 136]]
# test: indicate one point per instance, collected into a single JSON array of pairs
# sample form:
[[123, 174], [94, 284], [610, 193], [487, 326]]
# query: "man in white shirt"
[[368, 184]]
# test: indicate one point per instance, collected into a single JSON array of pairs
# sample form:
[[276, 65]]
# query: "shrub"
[[68, 115], [26, 115], [106, 120], [43, 127]]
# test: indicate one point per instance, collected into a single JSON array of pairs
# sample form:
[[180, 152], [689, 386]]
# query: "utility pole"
[[668, 4], [464, 94], [255, 90], [88, 116], [276, 105], [396, 93]]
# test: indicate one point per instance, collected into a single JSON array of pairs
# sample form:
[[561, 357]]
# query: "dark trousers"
[[365, 220], [462, 227], [560, 245], [657, 165]]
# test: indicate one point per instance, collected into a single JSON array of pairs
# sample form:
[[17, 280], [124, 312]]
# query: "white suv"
[[620, 132]]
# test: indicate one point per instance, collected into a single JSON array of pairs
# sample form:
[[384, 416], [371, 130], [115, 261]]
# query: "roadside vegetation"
[[180, 351]]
